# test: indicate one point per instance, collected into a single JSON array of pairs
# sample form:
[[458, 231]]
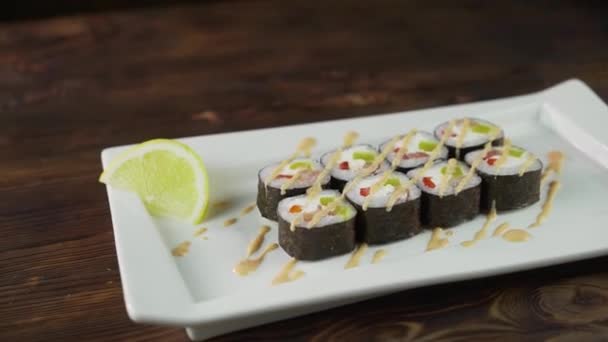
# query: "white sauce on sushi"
[[478, 132], [419, 147], [379, 199], [304, 208], [431, 179], [516, 159], [352, 161], [305, 170]]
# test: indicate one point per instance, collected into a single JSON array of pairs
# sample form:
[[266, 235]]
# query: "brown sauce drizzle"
[[465, 127], [230, 221], [474, 165], [546, 209], [304, 147], [246, 266], [355, 258], [286, 275], [200, 231], [481, 234], [248, 209], [378, 256], [526, 165], [516, 235], [181, 249], [221, 204], [556, 160], [445, 178], [256, 243], [436, 241], [500, 229], [394, 164]]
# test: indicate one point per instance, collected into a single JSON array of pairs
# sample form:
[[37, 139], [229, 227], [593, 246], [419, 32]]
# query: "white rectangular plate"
[[199, 291]]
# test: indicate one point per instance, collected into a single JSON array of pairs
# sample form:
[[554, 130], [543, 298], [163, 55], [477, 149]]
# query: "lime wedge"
[[169, 177]]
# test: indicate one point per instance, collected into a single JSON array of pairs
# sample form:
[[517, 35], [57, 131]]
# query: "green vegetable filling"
[[301, 165], [326, 200], [515, 152], [393, 181], [427, 145], [456, 172], [342, 211], [481, 129], [364, 155]]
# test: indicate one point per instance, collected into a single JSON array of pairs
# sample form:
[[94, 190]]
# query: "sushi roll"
[[441, 204], [376, 224], [511, 180], [469, 134], [292, 179], [351, 161], [333, 232], [419, 147]]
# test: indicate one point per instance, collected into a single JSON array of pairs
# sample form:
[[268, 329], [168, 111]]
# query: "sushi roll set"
[[362, 194]]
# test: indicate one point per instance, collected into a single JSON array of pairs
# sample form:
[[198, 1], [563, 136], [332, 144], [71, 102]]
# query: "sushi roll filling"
[[301, 206], [352, 160], [303, 169], [419, 148], [431, 180], [379, 198], [475, 133], [516, 160]]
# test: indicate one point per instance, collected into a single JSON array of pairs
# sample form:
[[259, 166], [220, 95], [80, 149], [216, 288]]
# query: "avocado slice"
[[427, 145], [367, 156]]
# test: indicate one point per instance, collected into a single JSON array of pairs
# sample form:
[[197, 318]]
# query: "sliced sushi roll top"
[[469, 134], [419, 148], [352, 160], [304, 170], [304, 209], [494, 162], [444, 177], [276, 182], [363, 191]]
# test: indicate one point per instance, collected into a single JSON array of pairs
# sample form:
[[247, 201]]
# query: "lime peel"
[[169, 177]]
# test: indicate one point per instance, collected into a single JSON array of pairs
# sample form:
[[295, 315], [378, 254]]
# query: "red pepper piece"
[[364, 192], [492, 154], [344, 166], [491, 161], [285, 176], [428, 182], [295, 209]]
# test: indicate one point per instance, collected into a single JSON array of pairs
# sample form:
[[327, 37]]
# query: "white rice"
[[304, 181], [380, 198], [471, 138], [314, 206], [434, 172], [511, 166], [413, 147]]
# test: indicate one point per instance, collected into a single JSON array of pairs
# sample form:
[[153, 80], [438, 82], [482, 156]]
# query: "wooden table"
[[70, 86]]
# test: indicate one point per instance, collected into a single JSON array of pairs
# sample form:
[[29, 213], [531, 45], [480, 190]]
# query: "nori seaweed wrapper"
[[377, 226], [450, 210], [267, 201], [337, 184], [509, 191], [319, 242], [465, 150]]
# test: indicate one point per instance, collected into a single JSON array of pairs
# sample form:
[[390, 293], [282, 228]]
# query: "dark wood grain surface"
[[70, 86]]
